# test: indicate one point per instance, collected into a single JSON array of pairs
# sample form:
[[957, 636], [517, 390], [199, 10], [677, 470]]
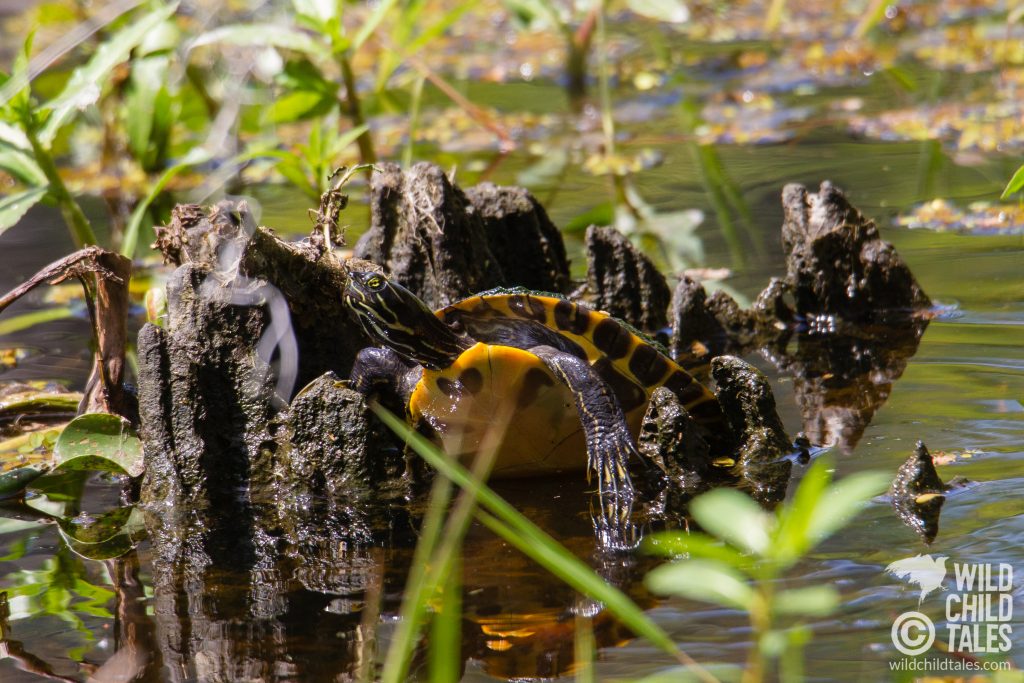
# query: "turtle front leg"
[[383, 374], [609, 444]]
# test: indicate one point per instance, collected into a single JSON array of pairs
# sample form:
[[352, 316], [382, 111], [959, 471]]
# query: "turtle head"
[[395, 317]]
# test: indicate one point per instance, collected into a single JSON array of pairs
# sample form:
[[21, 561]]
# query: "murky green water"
[[963, 390]]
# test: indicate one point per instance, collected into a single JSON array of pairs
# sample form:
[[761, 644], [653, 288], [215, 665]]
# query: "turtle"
[[556, 377]]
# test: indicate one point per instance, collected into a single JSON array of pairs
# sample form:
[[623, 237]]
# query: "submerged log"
[[670, 438], [206, 396], [257, 513], [918, 493], [749, 406], [850, 302], [837, 263]]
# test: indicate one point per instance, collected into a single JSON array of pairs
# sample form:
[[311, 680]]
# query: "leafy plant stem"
[[761, 622], [604, 87], [414, 120], [78, 224], [355, 111]]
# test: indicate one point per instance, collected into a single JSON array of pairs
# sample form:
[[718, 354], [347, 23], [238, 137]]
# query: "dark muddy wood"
[[625, 282]]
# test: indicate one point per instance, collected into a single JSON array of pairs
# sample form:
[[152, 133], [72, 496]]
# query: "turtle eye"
[[375, 283]]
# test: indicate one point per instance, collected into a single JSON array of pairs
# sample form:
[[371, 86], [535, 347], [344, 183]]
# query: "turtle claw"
[[613, 527]]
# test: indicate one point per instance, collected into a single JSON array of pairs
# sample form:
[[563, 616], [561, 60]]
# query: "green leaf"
[[322, 11], [96, 529], [733, 517], [15, 93], [791, 540], [109, 535], [813, 601], [345, 140], [299, 105], [302, 74], [12, 483], [15, 206], [262, 35], [292, 171], [676, 543], [668, 11], [22, 166], [703, 580], [100, 441], [83, 87], [1015, 185], [163, 39], [841, 502]]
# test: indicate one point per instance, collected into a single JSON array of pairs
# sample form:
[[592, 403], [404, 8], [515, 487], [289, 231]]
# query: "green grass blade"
[[1015, 185], [131, 232], [445, 655], [519, 531], [27, 320], [416, 594]]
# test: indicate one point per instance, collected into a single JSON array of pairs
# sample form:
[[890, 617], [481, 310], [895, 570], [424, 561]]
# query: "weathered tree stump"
[[838, 265], [624, 282], [521, 237]]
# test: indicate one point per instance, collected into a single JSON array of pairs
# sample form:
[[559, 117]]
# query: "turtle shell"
[[499, 395]]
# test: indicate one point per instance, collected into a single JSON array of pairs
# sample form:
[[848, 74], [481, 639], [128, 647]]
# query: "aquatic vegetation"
[[741, 559], [981, 218]]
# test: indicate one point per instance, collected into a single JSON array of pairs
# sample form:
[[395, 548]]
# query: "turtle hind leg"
[[610, 446]]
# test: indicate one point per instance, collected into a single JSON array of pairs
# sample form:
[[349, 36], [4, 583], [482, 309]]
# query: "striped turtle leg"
[[609, 444]]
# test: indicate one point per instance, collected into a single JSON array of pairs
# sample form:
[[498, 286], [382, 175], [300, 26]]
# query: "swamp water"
[[961, 392]]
